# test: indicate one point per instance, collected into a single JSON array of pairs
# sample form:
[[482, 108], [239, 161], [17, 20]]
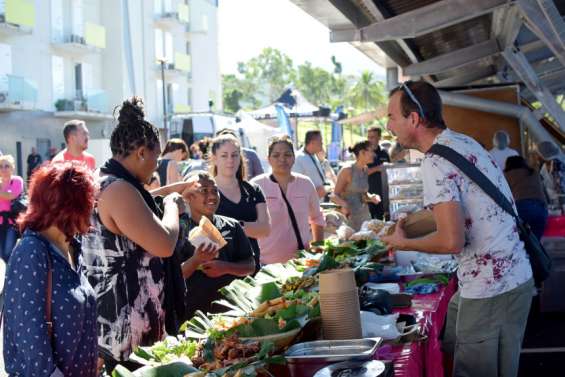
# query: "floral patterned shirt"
[[493, 260]]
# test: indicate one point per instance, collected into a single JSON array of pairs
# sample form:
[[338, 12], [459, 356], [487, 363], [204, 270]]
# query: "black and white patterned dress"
[[128, 283]]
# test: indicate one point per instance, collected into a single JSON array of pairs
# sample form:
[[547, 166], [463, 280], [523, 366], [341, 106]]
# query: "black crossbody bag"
[[539, 259], [291, 215]]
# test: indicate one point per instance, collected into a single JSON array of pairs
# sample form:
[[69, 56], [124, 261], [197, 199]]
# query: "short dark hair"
[[517, 162], [376, 129], [359, 146], [311, 135], [70, 127], [280, 139], [428, 97], [174, 145]]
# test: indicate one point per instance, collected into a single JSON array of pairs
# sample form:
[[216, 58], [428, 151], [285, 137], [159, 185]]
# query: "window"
[[168, 46], [57, 23], [79, 81], [78, 18], [58, 77], [5, 59], [159, 53], [188, 48], [189, 97]]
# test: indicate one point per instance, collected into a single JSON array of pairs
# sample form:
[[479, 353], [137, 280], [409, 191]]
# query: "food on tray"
[[206, 232], [228, 351], [295, 282]]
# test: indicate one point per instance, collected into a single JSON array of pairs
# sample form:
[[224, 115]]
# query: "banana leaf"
[[263, 327]]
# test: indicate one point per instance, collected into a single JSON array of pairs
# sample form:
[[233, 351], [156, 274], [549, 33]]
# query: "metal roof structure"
[[459, 43]]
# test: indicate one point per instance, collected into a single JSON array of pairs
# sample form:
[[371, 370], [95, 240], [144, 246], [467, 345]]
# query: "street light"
[[163, 61]]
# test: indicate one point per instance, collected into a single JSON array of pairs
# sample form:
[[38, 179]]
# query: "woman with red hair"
[[50, 308]]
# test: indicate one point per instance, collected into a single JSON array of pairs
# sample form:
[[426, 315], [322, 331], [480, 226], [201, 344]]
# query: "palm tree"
[[367, 93]]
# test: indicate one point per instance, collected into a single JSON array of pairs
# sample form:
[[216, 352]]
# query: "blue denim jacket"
[[28, 350]]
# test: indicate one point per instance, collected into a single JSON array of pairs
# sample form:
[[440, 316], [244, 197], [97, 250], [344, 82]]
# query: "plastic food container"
[[305, 359]]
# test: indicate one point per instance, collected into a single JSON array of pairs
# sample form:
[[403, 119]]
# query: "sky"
[[248, 26]]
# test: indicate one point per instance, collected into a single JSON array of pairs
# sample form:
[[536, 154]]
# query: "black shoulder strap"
[[291, 215], [317, 167], [475, 175]]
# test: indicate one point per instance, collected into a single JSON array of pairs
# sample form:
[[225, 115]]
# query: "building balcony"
[[17, 17], [93, 41], [180, 68], [173, 18], [17, 93], [93, 106]]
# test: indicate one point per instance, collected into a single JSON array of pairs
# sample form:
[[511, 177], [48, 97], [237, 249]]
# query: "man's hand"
[[374, 198], [205, 253], [398, 238], [216, 268]]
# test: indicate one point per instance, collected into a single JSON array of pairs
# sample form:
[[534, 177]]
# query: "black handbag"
[[18, 205], [539, 259]]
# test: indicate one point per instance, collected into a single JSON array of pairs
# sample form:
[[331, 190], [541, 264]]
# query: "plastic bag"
[[383, 326]]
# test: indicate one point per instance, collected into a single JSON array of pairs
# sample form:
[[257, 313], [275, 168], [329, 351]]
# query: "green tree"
[[314, 83], [270, 72], [367, 92]]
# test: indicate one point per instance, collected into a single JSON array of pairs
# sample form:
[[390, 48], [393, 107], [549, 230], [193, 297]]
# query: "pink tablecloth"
[[423, 358]]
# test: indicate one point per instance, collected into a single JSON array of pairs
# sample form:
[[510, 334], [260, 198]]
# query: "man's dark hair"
[[311, 135], [132, 131], [70, 127], [428, 97], [376, 129]]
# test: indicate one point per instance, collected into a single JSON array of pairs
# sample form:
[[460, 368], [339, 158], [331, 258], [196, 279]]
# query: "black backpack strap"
[[291, 215], [475, 175]]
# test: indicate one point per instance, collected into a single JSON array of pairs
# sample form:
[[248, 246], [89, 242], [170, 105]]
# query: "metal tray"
[[333, 350], [371, 368]]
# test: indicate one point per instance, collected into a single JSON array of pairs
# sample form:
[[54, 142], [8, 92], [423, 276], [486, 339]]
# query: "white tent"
[[257, 133]]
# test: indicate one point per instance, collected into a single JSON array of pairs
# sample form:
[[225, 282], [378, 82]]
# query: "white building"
[[64, 59]]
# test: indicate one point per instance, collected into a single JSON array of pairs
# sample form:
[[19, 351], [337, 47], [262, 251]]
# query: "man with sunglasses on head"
[[487, 317], [206, 270]]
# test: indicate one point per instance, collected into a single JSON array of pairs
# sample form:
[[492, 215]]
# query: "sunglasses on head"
[[413, 98]]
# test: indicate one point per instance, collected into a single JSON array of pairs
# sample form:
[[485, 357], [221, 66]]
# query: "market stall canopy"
[[457, 44], [295, 104], [367, 117], [257, 133]]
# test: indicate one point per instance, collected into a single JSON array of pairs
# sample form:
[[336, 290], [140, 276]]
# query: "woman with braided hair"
[[123, 254]]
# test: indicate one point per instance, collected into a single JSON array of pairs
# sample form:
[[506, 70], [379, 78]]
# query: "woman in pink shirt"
[[292, 200], [11, 186]]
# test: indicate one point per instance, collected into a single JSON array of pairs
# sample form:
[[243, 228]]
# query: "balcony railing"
[[17, 17], [94, 105], [168, 18], [93, 40], [17, 92]]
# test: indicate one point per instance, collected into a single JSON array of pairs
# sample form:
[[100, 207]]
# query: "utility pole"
[[165, 128]]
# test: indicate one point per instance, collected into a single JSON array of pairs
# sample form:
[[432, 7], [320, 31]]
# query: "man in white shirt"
[[487, 317], [500, 152], [307, 162]]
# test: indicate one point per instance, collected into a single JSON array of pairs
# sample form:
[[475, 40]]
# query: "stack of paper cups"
[[339, 305]]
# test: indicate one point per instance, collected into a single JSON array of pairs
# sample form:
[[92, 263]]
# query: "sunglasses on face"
[[413, 98]]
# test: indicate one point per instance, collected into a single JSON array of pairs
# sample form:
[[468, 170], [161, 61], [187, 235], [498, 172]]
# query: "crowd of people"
[[105, 259]]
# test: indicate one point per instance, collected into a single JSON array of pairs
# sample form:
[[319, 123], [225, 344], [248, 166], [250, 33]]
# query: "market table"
[[422, 358]]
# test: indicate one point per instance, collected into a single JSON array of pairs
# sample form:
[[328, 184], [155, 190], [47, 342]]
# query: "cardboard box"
[[418, 224]]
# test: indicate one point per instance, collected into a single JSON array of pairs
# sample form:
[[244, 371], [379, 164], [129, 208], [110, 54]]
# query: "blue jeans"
[[8, 238], [534, 212]]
